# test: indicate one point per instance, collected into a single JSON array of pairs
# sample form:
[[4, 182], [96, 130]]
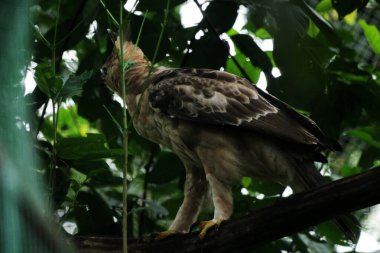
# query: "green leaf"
[[333, 234], [313, 30], [323, 6], [263, 34], [77, 176], [46, 80], [347, 170], [70, 123], [246, 181], [258, 58], [366, 134], [252, 71], [222, 15], [291, 19], [372, 34], [324, 26], [92, 147], [74, 85], [318, 52]]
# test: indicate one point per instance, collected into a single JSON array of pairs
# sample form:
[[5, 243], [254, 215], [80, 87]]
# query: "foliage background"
[[324, 74]]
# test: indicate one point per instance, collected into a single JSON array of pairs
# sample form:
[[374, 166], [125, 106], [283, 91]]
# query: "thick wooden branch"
[[287, 216]]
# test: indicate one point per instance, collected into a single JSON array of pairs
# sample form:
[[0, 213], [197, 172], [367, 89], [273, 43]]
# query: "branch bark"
[[287, 216]]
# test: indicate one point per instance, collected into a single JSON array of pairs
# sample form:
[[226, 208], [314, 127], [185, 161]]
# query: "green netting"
[[23, 222]]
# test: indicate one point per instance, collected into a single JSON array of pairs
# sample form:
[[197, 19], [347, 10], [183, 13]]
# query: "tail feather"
[[311, 178]]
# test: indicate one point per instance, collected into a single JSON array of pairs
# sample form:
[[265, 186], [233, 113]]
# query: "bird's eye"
[[103, 73]]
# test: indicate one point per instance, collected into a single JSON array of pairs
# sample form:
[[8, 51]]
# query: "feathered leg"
[[196, 188], [223, 204]]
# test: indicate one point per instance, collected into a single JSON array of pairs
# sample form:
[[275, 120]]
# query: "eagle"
[[223, 128]]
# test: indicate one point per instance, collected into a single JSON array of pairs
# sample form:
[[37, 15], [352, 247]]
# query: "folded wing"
[[219, 98]]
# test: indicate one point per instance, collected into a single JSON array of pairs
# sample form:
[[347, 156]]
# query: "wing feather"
[[215, 97]]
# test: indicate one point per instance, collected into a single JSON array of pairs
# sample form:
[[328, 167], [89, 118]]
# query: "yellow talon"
[[206, 225]]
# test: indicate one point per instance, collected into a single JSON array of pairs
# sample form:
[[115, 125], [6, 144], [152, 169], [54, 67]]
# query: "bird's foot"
[[206, 225]]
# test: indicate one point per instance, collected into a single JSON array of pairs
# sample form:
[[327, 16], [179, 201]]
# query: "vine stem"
[[55, 112], [125, 132]]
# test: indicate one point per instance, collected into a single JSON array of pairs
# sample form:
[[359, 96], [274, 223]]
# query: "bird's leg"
[[196, 188], [222, 198]]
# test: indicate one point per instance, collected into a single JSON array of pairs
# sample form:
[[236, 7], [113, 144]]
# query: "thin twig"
[[110, 14]]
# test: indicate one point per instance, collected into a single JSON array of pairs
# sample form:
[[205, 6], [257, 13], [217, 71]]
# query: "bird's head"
[[133, 59]]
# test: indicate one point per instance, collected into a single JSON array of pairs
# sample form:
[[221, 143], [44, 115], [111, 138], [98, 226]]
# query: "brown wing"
[[215, 97]]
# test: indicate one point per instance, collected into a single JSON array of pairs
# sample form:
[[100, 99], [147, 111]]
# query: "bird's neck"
[[136, 78], [136, 81]]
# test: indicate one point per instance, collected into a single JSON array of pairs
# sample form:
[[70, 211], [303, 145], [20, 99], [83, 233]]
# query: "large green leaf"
[[258, 58], [291, 20], [372, 34], [324, 26], [92, 147], [323, 6], [252, 72], [301, 62], [221, 15], [73, 86], [330, 230]]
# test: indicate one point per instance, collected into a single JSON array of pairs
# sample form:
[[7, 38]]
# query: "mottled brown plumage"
[[222, 128]]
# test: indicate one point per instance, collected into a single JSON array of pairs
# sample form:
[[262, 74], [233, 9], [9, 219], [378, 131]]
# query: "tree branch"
[[287, 216]]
